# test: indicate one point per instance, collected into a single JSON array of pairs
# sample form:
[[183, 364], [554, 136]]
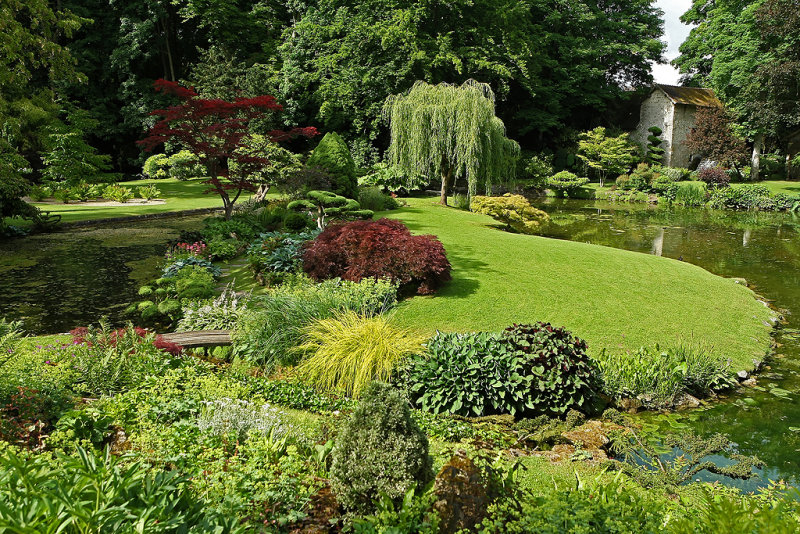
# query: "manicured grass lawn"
[[179, 196], [615, 299], [779, 186]]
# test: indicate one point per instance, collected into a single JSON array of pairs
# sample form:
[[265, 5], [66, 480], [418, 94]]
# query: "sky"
[[676, 33]]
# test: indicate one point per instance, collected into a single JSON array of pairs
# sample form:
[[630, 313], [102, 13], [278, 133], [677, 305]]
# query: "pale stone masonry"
[[672, 109]]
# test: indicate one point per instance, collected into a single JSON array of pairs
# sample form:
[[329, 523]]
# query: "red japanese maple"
[[213, 129]]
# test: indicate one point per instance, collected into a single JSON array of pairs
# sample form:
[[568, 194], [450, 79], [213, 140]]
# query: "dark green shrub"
[[528, 369], [654, 151], [381, 450], [372, 198], [745, 197], [333, 156], [296, 221], [562, 372], [566, 183]]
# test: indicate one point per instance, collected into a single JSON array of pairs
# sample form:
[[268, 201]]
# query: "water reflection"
[[764, 249]]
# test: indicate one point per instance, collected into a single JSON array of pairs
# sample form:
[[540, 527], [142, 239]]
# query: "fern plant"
[[349, 351]]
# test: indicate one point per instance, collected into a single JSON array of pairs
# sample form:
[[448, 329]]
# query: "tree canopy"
[[450, 131]]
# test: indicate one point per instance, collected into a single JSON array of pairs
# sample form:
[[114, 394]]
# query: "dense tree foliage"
[[216, 131], [748, 51], [450, 132], [554, 64]]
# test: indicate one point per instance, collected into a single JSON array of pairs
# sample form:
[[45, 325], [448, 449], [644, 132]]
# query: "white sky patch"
[[675, 33]]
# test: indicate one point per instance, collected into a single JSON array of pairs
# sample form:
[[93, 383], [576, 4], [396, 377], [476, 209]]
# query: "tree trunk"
[[755, 162], [261, 194], [447, 182]]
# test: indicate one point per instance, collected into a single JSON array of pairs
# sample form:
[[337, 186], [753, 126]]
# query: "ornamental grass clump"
[[380, 450], [348, 351], [513, 210]]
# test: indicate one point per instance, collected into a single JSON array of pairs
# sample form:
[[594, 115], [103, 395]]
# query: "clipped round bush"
[[333, 156], [156, 166], [184, 165], [381, 449], [378, 249], [565, 182], [514, 210], [296, 221]]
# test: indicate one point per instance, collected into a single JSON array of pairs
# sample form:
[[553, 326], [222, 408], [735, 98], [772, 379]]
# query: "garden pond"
[[761, 247], [55, 282]]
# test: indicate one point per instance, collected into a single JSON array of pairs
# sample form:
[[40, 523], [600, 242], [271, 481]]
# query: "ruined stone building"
[[672, 109]]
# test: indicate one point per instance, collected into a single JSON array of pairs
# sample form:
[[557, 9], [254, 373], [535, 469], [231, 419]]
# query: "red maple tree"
[[213, 129]]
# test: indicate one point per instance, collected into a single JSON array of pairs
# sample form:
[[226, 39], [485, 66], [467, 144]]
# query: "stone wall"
[[656, 110], [682, 124]]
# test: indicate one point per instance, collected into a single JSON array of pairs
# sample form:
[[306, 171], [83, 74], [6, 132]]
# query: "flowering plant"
[[198, 249]]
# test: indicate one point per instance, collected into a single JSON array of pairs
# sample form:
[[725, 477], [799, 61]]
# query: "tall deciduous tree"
[[606, 154], [452, 132], [215, 131]]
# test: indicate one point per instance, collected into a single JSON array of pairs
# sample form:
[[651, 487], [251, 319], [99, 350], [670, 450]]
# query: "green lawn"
[[614, 299], [778, 186], [179, 196]]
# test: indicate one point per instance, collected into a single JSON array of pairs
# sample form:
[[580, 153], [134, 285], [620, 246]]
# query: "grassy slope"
[[775, 186], [614, 299], [179, 196]]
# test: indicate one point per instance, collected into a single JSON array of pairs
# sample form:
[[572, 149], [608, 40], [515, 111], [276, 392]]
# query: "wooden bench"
[[200, 339]]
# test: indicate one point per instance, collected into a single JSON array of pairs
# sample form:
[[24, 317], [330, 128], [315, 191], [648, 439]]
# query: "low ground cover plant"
[[525, 370], [347, 352], [658, 376], [513, 210], [378, 249]]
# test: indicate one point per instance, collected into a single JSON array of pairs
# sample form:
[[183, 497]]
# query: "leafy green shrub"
[[528, 369], [333, 156], [237, 227], [373, 199], [392, 178], [536, 169], [688, 193], [347, 352], [658, 377], [117, 193], [64, 194], [745, 197], [461, 202], [514, 210], [156, 166], [273, 326], [661, 183], [296, 222], [184, 165], [675, 174], [654, 151], [566, 183], [110, 361], [192, 282], [596, 510], [148, 192], [86, 428], [40, 192], [277, 252], [100, 493], [380, 450], [325, 206], [84, 191]]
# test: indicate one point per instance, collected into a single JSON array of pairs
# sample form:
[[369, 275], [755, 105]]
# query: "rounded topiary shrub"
[[380, 450], [333, 156], [564, 376], [378, 249]]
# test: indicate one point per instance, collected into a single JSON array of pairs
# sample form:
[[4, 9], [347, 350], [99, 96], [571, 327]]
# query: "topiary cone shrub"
[[378, 249], [380, 450], [333, 156]]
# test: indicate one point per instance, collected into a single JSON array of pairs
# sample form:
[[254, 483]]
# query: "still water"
[[763, 248], [55, 282]]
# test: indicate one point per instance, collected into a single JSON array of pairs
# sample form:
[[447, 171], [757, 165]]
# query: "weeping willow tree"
[[450, 131]]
